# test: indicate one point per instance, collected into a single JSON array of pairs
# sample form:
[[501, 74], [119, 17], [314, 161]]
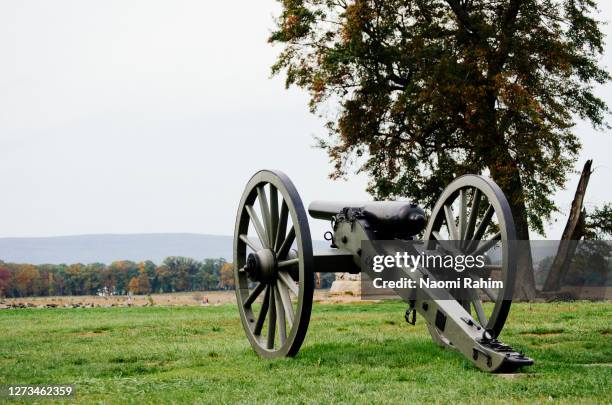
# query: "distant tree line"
[[173, 275]]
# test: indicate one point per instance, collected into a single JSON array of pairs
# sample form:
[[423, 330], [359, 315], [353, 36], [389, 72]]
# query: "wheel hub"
[[261, 265]]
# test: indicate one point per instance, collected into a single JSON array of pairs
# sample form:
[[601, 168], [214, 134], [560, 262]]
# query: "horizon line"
[[114, 234]]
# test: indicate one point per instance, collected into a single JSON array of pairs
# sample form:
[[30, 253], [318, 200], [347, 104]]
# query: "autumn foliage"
[[416, 93], [120, 277]]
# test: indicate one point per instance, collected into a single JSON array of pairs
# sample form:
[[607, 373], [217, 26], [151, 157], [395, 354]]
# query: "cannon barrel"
[[327, 209], [392, 219]]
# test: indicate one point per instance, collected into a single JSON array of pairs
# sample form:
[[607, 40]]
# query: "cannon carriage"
[[274, 262]]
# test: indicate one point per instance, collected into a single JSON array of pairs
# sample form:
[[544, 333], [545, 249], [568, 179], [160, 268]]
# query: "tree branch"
[[464, 18], [508, 28]]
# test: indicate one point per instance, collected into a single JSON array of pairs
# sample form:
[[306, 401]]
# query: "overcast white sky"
[[150, 116]]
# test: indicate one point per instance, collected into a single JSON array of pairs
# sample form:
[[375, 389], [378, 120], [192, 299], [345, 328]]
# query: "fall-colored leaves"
[[416, 93], [120, 277]]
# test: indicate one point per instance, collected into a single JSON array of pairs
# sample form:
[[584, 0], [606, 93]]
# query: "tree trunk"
[[509, 180], [524, 288], [574, 231], [506, 173]]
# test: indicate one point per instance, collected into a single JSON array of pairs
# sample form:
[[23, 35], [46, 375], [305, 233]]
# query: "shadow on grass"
[[388, 353]]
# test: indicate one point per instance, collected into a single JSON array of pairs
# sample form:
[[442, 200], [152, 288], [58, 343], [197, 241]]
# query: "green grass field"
[[354, 353]]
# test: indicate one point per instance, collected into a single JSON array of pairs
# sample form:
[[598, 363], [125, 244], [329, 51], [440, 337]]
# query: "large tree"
[[418, 92]]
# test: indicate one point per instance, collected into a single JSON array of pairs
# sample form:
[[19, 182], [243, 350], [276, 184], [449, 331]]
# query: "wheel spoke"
[[250, 243], [254, 294], [262, 313], [485, 246], [482, 227], [286, 301], [280, 313], [265, 212], [284, 249], [469, 231], [273, 214], [487, 291], [261, 233], [479, 310], [288, 262], [490, 294], [289, 283], [271, 318], [486, 220], [437, 235], [462, 213], [450, 222], [282, 226]]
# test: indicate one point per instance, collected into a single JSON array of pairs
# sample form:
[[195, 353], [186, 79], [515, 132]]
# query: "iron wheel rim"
[[274, 302], [497, 201]]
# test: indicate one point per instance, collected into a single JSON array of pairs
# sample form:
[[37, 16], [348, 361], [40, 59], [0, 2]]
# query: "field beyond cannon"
[[191, 298]]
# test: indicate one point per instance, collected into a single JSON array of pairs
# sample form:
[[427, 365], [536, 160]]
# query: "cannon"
[[274, 263]]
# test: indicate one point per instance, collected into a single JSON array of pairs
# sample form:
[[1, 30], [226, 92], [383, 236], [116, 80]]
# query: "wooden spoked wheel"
[[474, 212], [273, 265]]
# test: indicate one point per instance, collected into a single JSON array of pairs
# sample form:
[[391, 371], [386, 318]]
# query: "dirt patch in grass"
[[90, 334]]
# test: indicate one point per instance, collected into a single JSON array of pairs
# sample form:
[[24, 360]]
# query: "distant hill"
[[108, 248]]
